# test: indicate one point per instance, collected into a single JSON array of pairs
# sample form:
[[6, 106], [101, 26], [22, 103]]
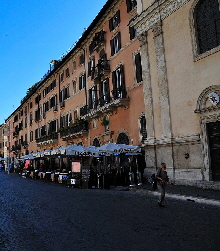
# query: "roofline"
[[78, 43]]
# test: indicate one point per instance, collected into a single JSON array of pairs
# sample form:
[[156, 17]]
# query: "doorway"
[[214, 146]]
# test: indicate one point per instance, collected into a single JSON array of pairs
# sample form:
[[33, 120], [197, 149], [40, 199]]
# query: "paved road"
[[38, 215]]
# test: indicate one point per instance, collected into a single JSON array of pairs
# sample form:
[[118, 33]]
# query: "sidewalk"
[[180, 192]]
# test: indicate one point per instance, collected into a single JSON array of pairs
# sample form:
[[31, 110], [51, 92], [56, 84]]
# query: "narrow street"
[[39, 215]]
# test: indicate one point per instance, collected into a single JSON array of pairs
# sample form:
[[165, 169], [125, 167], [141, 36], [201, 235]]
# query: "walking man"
[[162, 180]]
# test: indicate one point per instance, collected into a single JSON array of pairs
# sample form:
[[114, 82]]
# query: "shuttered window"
[[114, 21], [138, 68], [115, 44]]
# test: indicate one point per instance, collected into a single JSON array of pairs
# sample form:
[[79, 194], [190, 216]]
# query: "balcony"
[[16, 148], [62, 104], [102, 70], [47, 139], [77, 130], [98, 41], [105, 107], [55, 108], [15, 134]]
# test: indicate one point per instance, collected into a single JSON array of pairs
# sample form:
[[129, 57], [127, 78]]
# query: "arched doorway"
[[96, 142], [123, 139], [208, 108]]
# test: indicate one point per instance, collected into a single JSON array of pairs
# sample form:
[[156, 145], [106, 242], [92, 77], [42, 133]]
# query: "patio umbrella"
[[129, 148], [29, 156], [109, 148], [75, 150], [59, 151]]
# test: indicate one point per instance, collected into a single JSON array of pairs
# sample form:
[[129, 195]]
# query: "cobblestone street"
[[39, 215]]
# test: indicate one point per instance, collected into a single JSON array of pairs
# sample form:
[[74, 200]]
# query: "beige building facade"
[[180, 55]]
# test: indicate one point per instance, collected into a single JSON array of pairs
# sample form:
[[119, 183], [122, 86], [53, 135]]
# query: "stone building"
[[3, 141], [179, 47], [92, 95], [146, 73]]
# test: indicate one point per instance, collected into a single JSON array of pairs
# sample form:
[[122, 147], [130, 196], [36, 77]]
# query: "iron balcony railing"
[[81, 126]]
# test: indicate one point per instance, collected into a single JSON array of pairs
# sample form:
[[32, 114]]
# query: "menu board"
[[76, 166]]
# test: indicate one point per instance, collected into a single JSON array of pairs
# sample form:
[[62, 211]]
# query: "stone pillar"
[[147, 85], [150, 153], [164, 151], [162, 80]]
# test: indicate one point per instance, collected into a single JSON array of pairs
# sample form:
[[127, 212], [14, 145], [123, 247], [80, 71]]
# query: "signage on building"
[[213, 98]]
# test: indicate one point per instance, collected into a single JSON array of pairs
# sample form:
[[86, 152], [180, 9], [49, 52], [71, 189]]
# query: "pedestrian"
[[162, 180]]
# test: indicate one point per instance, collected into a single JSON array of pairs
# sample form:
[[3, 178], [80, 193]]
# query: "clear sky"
[[32, 33]]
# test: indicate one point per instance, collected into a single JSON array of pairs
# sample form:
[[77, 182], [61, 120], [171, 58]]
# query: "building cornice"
[[156, 12]]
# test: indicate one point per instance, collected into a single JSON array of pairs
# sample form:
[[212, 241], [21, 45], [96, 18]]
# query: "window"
[[143, 128], [65, 120], [115, 44], [38, 114], [93, 98], [114, 21], [105, 123], [74, 66], [133, 32], [67, 72], [31, 136], [91, 68], [52, 126], [37, 99], [31, 118], [53, 84], [208, 25], [74, 87], [43, 131], [75, 115], [104, 92], [36, 133], [61, 77], [98, 38], [52, 102], [62, 122], [119, 90], [64, 94], [82, 58], [94, 122], [131, 4], [68, 119], [82, 81], [138, 68]]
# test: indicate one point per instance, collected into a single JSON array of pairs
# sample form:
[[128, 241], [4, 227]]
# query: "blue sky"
[[32, 33]]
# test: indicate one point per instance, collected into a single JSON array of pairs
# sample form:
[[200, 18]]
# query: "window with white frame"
[[104, 92], [93, 97], [82, 81], [118, 81], [115, 44], [114, 21], [61, 77]]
